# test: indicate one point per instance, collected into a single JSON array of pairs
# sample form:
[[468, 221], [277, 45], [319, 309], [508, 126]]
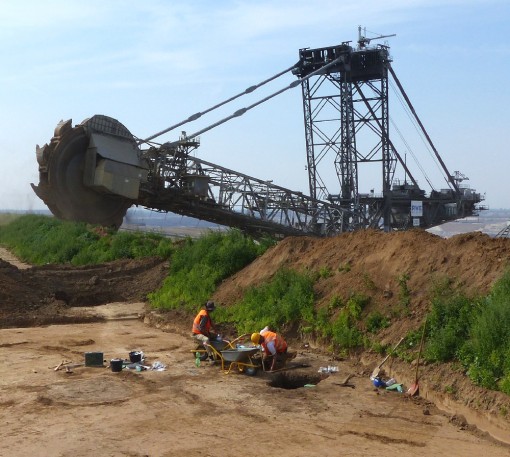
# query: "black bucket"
[[116, 365], [135, 356]]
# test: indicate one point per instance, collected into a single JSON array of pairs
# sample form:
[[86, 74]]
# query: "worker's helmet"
[[210, 306], [255, 338]]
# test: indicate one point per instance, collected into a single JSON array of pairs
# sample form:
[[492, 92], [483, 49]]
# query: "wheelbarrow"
[[216, 346], [200, 352], [243, 359]]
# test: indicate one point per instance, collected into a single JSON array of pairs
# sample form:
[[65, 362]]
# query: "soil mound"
[[377, 264], [371, 262]]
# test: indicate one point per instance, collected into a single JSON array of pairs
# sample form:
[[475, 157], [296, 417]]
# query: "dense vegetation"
[[199, 265], [40, 240], [472, 332]]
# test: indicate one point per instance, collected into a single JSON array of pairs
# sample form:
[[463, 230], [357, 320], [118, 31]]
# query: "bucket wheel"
[[61, 185]]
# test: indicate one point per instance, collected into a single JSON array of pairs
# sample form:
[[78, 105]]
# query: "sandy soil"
[[190, 410], [201, 411]]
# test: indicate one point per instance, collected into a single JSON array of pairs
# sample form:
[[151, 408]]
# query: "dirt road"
[[199, 411]]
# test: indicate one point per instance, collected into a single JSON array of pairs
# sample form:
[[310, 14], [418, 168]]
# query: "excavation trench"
[[293, 380]]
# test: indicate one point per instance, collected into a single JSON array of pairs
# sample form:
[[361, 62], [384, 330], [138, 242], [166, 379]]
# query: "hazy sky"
[[151, 64]]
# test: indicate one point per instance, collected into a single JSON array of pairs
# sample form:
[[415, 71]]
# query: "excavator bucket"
[[91, 172]]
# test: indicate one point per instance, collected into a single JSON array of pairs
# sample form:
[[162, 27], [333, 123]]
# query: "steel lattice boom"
[[96, 170]]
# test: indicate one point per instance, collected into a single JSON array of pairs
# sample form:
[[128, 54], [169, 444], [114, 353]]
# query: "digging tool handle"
[[376, 370], [419, 352], [413, 390], [392, 351], [384, 360]]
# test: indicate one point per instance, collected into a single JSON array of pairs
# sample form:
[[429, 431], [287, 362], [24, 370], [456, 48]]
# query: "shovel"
[[415, 387], [377, 369]]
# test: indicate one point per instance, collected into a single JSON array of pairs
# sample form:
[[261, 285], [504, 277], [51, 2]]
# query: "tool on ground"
[[292, 367], [62, 364], [415, 387], [67, 365], [377, 369], [345, 382]]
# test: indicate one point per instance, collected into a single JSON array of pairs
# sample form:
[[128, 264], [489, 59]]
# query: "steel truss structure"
[[93, 172], [349, 100], [191, 186]]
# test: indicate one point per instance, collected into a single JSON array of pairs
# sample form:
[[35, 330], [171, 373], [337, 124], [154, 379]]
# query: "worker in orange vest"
[[203, 329], [274, 348]]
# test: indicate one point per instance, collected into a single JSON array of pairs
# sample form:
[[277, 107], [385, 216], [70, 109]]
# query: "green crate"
[[94, 359]]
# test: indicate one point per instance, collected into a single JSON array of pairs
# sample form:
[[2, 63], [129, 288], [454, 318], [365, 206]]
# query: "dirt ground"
[[201, 411], [190, 410]]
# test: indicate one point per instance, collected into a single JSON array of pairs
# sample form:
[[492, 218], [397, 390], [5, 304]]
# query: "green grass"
[[42, 240], [7, 218], [198, 266], [376, 321], [285, 300]]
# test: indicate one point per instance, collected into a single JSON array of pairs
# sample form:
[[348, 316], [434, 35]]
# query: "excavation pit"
[[294, 380]]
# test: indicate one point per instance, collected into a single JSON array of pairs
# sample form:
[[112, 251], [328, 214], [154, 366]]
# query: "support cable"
[[394, 149], [241, 111], [411, 118], [408, 147], [411, 107], [196, 116]]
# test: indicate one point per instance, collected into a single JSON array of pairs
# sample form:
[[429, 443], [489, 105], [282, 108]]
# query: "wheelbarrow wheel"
[[202, 353], [250, 371]]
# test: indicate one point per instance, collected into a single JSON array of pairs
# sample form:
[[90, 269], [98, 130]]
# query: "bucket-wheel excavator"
[[95, 170]]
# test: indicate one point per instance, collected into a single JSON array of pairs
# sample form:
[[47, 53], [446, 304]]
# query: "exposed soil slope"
[[38, 295], [372, 262]]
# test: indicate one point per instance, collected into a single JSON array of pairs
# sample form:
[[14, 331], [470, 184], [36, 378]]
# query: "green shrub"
[[375, 321], [404, 292], [322, 323], [475, 332], [339, 326], [481, 375], [504, 384], [378, 347], [198, 266], [288, 298], [336, 302], [448, 323], [368, 282], [490, 332], [356, 303], [491, 328], [325, 272], [344, 331]]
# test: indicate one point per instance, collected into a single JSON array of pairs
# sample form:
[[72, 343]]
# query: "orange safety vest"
[[196, 323], [279, 343]]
